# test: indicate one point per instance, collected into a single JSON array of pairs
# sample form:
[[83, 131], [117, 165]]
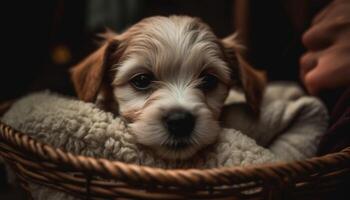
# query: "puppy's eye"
[[209, 82], [142, 81]]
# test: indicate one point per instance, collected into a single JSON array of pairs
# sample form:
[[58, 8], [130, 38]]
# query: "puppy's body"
[[169, 77]]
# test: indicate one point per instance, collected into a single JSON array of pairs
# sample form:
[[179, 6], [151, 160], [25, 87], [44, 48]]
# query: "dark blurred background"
[[43, 39]]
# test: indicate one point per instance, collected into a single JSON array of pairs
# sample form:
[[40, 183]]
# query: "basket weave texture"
[[92, 178]]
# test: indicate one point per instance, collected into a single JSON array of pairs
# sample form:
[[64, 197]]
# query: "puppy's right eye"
[[142, 81], [209, 82]]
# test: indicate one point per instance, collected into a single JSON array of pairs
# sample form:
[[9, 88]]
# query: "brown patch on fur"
[[88, 75], [253, 83], [251, 80], [131, 115]]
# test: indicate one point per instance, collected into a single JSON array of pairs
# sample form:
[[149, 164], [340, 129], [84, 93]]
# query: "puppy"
[[168, 77]]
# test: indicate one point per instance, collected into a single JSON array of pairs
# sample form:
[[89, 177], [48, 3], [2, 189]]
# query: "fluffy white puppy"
[[168, 77]]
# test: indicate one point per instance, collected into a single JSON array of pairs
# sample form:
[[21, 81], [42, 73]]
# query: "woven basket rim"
[[123, 170]]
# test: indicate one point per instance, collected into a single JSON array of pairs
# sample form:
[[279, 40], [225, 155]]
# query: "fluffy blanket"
[[289, 127], [290, 124], [84, 129]]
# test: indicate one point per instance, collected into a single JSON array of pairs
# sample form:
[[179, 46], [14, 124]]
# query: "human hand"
[[326, 64]]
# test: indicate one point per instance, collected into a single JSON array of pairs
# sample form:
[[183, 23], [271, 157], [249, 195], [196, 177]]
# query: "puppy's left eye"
[[142, 81], [209, 82]]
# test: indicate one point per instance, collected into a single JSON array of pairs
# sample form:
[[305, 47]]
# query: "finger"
[[307, 62], [319, 80], [334, 10], [323, 13], [319, 36], [314, 80], [331, 72]]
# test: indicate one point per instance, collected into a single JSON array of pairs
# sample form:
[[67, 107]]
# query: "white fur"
[[176, 50]]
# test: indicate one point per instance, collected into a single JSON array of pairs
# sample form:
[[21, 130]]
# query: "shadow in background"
[[44, 39]]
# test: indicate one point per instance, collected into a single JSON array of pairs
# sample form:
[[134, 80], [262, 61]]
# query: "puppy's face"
[[169, 78]]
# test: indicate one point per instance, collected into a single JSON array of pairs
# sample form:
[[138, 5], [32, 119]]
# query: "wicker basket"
[[90, 178]]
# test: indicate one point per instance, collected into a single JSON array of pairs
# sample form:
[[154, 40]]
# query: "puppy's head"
[[169, 77]]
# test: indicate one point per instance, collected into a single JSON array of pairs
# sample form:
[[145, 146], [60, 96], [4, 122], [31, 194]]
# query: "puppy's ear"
[[252, 81], [88, 75]]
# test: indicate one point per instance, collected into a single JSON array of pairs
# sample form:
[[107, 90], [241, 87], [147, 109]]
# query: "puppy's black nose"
[[180, 123]]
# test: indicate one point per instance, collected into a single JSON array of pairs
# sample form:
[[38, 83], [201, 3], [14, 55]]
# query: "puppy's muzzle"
[[179, 123]]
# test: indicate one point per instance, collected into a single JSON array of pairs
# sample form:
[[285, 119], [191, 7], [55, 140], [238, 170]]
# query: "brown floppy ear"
[[88, 75], [253, 83], [251, 80]]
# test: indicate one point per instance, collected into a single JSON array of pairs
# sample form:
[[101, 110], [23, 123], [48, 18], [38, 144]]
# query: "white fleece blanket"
[[289, 126], [82, 128]]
